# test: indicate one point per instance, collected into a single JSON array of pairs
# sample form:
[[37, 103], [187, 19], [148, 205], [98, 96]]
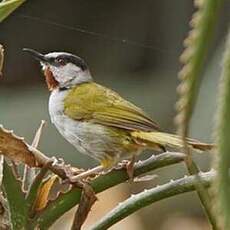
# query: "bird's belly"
[[72, 130], [89, 138]]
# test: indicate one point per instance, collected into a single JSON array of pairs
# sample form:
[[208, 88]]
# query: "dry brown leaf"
[[38, 134], [15, 148], [43, 193], [30, 173]]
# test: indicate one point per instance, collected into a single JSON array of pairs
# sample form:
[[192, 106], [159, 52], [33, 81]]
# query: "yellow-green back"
[[98, 104]]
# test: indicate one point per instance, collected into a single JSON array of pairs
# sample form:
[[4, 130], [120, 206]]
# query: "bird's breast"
[[83, 135], [68, 127], [56, 103]]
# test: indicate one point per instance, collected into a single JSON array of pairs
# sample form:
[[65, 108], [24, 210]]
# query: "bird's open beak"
[[36, 55]]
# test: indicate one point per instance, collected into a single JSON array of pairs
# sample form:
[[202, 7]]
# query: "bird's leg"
[[130, 168], [86, 174], [106, 163]]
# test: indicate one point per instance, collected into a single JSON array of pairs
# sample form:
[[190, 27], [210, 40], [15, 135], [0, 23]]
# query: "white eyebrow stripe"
[[56, 54]]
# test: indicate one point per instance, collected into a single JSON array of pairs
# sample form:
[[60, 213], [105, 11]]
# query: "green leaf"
[[223, 143], [68, 200], [147, 197], [7, 7], [193, 58], [15, 198]]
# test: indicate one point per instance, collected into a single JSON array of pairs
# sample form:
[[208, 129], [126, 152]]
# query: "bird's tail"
[[164, 140]]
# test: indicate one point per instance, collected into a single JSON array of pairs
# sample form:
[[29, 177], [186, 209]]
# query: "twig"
[[147, 197], [88, 198]]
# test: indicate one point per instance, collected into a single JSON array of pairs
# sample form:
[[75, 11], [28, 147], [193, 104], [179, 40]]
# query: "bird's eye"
[[60, 61]]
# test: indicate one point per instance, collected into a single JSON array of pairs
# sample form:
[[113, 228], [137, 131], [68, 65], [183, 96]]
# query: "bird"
[[96, 120]]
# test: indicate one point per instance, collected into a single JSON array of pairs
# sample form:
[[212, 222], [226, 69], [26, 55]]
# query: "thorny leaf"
[[15, 148], [1, 59], [193, 59], [43, 193], [88, 198]]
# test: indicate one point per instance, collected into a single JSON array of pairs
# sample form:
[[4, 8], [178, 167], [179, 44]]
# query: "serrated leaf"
[[7, 7], [15, 148], [43, 193], [15, 198]]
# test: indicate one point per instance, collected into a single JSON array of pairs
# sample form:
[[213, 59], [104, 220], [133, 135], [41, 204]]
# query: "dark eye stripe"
[[69, 58]]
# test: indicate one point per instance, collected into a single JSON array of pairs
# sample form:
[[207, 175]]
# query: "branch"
[[66, 201], [147, 197]]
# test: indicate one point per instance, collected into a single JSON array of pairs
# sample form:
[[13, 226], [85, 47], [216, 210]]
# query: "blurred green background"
[[130, 46]]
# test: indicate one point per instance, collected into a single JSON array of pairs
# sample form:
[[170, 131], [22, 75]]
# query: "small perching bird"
[[95, 119]]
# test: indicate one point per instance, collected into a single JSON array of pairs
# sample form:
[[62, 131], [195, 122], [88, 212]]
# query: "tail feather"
[[168, 140]]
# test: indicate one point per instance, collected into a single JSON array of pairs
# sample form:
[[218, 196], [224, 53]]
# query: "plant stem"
[[66, 201], [147, 197], [203, 23], [223, 143]]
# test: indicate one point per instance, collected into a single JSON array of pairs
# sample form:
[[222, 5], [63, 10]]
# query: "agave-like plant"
[[40, 194]]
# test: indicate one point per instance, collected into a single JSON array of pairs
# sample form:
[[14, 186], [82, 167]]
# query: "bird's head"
[[61, 69]]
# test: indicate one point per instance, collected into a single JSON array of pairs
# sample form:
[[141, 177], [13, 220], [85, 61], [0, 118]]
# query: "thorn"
[[38, 134]]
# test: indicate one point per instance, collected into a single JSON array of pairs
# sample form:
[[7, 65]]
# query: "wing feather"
[[100, 105]]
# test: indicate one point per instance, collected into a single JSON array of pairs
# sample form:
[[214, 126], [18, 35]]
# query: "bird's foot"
[[130, 168], [129, 165], [86, 174]]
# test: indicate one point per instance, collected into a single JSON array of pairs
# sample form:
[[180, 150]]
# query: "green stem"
[[203, 193], [147, 197], [66, 201], [223, 143], [193, 58]]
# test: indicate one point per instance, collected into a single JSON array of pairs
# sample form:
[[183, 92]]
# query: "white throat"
[[69, 75], [67, 80]]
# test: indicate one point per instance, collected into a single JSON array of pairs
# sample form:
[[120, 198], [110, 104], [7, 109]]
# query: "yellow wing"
[[90, 101]]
